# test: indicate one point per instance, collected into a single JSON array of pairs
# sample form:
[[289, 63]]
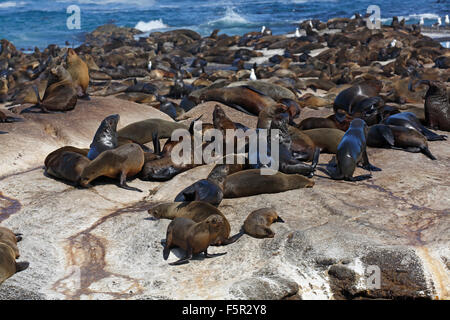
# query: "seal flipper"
[[333, 170], [20, 266], [360, 178], [156, 143], [123, 183], [279, 220], [233, 239], [431, 136], [208, 255], [185, 259], [427, 152], [386, 133], [366, 164]]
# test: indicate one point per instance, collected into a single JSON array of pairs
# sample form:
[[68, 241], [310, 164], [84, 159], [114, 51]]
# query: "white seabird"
[[253, 75]]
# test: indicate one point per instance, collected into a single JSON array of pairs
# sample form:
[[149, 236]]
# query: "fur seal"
[[360, 100], [396, 137], [327, 139], [79, 71], [409, 120], [10, 238], [350, 152], [56, 153], [328, 122], [122, 162], [250, 182], [192, 237], [437, 106], [242, 98], [66, 165], [105, 138], [144, 131], [60, 95], [196, 211], [258, 223], [209, 189]]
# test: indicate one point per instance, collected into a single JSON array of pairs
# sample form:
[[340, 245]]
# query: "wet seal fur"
[[122, 162], [106, 137], [351, 151]]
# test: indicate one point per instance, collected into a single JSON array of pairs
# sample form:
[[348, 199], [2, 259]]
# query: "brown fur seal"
[[196, 211], [396, 137], [79, 71], [242, 98], [125, 161], [66, 165], [105, 138], [56, 153], [250, 182], [61, 95], [8, 254], [10, 238], [327, 139], [351, 151], [328, 122], [258, 223], [192, 237], [142, 132]]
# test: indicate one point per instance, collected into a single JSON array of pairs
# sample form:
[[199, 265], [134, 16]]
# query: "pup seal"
[[122, 162], [396, 137], [196, 211], [192, 237], [409, 120], [350, 152], [106, 137], [250, 182], [258, 223]]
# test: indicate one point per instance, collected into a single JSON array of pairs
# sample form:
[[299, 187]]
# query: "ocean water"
[[30, 23]]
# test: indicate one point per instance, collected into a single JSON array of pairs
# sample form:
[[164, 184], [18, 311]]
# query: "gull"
[[393, 43], [421, 21], [149, 66], [263, 29], [447, 20], [297, 33], [253, 75], [310, 24], [438, 23]]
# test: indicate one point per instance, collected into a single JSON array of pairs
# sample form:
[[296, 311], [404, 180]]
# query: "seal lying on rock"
[[66, 165], [8, 254], [258, 223], [396, 137], [350, 152], [409, 120], [122, 162], [192, 237]]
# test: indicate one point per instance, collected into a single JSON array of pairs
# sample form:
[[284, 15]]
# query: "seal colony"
[[362, 78]]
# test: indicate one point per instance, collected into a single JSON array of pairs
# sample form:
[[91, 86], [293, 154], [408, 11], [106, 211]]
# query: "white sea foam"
[[11, 4], [425, 16], [142, 3], [231, 17], [151, 25]]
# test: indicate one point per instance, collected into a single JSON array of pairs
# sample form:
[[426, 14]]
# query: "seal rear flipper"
[[209, 255], [20, 266], [366, 164], [238, 107], [359, 178], [427, 152], [316, 157], [333, 171], [431, 136], [233, 239]]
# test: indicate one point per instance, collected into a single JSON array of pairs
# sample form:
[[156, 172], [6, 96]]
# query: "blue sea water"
[[30, 23]]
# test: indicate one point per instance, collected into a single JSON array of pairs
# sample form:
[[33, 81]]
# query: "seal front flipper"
[[184, 260], [232, 239], [21, 266], [366, 164], [359, 178], [427, 152], [156, 143], [123, 183], [386, 133], [209, 255], [431, 136]]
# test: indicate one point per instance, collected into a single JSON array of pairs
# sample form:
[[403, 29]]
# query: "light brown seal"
[[259, 221]]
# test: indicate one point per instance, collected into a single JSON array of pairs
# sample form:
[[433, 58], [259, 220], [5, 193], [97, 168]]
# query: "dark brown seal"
[[105, 138], [66, 165]]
